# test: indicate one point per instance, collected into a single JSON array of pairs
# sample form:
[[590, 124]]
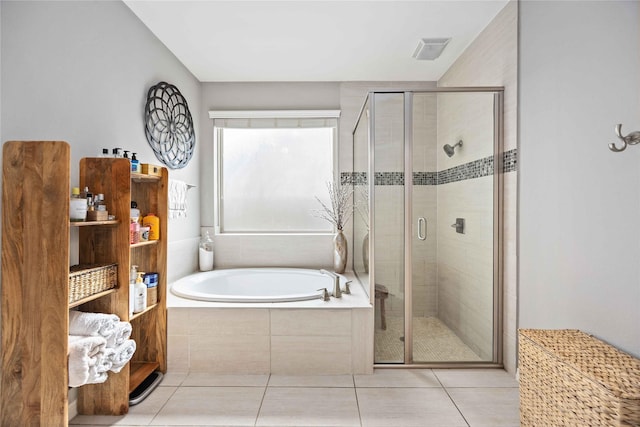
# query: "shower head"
[[450, 149]]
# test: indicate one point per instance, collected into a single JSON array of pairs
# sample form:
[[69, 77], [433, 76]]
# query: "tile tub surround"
[[388, 397], [326, 338]]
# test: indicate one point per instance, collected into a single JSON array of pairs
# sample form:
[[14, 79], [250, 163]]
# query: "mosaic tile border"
[[471, 170]]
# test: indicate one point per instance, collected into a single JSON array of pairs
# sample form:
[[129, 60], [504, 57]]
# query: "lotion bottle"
[[140, 292]]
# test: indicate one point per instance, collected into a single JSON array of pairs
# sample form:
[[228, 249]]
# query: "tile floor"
[[389, 397]]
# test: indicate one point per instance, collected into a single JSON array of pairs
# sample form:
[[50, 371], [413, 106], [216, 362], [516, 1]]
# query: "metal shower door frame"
[[498, 221]]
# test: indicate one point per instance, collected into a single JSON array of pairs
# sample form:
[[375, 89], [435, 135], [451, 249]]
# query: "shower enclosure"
[[427, 227]]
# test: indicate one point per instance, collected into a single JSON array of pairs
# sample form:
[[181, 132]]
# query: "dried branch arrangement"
[[341, 208]]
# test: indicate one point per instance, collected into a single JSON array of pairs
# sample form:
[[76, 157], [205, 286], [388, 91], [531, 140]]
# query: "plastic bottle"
[[133, 273], [135, 164], [206, 252], [153, 222], [101, 205], [77, 206], [135, 212], [140, 292]]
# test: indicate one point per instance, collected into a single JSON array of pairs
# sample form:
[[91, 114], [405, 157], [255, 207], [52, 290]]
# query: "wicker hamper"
[[569, 378]]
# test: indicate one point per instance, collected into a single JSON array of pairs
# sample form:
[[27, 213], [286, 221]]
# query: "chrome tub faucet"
[[337, 292]]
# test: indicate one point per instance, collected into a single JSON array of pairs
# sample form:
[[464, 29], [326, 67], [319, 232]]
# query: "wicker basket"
[[87, 280], [569, 378]]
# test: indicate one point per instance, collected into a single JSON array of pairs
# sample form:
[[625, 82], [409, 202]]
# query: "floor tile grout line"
[[264, 394], [163, 405], [355, 391], [451, 399]]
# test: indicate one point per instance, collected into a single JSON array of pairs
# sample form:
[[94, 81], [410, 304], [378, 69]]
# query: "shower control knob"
[[459, 225]]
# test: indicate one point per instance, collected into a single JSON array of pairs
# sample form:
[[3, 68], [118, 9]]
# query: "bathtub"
[[255, 285], [227, 334]]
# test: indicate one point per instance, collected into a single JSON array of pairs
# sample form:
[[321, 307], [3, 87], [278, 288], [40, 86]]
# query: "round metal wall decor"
[[168, 125]]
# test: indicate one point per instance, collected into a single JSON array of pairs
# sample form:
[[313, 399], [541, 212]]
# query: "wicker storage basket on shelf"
[[87, 280], [569, 378]]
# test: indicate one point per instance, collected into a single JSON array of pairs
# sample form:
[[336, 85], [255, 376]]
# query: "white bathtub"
[[289, 338], [255, 285]]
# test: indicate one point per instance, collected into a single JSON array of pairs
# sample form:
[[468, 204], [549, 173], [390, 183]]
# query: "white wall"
[[80, 72], [580, 202]]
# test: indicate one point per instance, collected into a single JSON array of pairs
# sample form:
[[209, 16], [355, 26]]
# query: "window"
[[270, 169]]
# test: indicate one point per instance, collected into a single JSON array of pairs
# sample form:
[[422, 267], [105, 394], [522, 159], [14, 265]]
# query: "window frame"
[[266, 114]]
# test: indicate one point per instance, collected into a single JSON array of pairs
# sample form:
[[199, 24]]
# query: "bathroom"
[[46, 95]]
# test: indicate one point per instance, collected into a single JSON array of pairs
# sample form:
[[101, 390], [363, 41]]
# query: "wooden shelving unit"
[[35, 277], [112, 177], [35, 268]]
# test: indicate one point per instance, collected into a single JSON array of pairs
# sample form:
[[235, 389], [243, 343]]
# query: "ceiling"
[[244, 41]]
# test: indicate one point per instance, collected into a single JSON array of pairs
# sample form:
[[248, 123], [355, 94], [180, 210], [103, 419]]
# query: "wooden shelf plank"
[[139, 371], [93, 223], [92, 297], [146, 310], [147, 243], [139, 177]]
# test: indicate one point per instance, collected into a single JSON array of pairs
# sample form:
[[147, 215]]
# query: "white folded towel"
[[84, 354], [177, 195], [121, 333], [92, 323], [123, 353]]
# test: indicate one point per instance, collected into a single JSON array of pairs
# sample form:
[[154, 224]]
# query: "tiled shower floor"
[[389, 397], [432, 342]]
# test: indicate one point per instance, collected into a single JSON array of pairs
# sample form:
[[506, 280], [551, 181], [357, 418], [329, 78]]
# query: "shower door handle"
[[422, 228]]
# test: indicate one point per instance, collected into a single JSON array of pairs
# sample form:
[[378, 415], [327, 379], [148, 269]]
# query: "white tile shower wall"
[[259, 250], [466, 117], [492, 60], [465, 290], [262, 341]]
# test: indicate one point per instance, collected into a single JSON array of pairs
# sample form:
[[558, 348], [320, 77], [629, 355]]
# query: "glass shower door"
[[452, 286], [387, 147]]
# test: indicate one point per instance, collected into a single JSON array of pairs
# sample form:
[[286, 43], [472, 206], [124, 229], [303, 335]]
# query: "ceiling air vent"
[[430, 49]]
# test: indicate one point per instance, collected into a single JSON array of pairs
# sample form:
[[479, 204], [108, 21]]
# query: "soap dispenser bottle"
[[135, 164], [140, 292]]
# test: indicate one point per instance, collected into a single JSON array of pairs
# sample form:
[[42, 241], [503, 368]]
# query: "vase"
[[339, 252]]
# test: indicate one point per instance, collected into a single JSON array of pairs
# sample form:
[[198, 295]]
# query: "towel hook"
[[632, 139]]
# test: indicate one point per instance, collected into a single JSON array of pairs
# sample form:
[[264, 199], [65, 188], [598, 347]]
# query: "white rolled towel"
[[121, 333], [84, 353], [92, 323], [96, 377], [123, 353], [104, 361]]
